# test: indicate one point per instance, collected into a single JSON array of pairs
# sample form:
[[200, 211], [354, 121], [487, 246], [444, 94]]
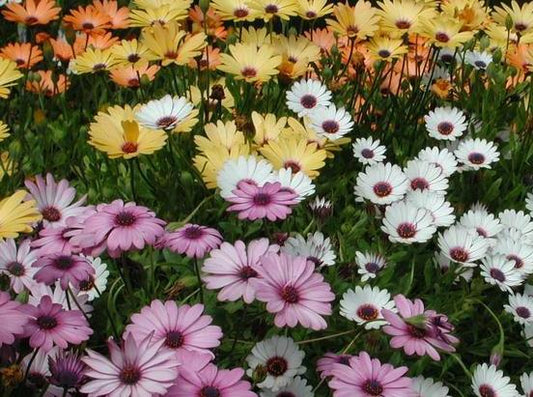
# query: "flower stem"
[[109, 316], [200, 285]]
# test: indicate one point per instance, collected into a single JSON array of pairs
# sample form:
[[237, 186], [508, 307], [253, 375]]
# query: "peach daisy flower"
[[32, 13], [24, 55]]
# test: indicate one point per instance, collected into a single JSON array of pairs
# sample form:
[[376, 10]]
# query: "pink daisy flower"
[[14, 319], [211, 382], [66, 370], [54, 200], [325, 365], [269, 201], [418, 331], [68, 269], [53, 240], [293, 291], [139, 369], [50, 325], [178, 327], [17, 264], [123, 227], [195, 241], [365, 376], [231, 267]]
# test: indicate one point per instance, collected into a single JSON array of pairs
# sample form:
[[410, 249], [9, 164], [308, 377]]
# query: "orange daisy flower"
[[324, 38], [88, 19], [23, 54], [63, 50], [215, 25], [45, 84], [100, 41], [210, 59], [118, 17], [130, 76], [29, 13]]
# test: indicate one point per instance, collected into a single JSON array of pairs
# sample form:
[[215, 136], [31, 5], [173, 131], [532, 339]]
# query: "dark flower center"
[[241, 12], [171, 54], [497, 274], [132, 58], [403, 24], [124, 218], [416, 332], [445, 128], [367, 153], [31, 20], [476, 158], [167, 121], [330, 126], [523, 312], [16, 269], [420, 184], [87, 25], [459, 254], [247, 272], [271, 9], [134, 83], [174, 339], [209, 391], [295, 167], [384, 53], [285, 394], [86, 285], [193, 232], [308, 101], [373, 387], [37, 379], [51, 214], [130, 375], [480, 64], [382, 189], [276, 366], [372, 267], [20, 61], [67, 379], [292, 59], [446, 58], [518, 262], [129, 147], [486, 391], [63, 262], [481, 232], [311, 14], [99, 66], [442, 37], [345, 360], [519, 27], [367, 312], [249, 72], [262, 199], [406, 230], [290, 294], [46, 322]]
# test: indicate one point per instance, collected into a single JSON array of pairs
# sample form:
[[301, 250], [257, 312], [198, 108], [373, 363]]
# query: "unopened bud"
[[204, 6], [496, 355]]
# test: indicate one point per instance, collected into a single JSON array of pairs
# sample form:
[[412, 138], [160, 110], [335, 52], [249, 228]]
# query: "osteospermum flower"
[[487, 380], [293, 291], [50, 325], [116, 133], [500, 271], [368, 151], [279, 358], [93, 60], [17, 215], [521, 307], [321, 208], [326, 363], [407, 224], [382, 183], [366, 376], [435, 202], [425, 176], [37, 371], [357, 22], [4, 131], [69, 269], [476, 153], [131, 75], [364, 305], [244, 168], [136, 368], [427, 387], [167, 113], [442, 158], [316, 249], [478, 60], [59, 296], [369, 264], [96, 283], [445, 123], [306, 96], [330, 122], [176, 327], [9, 74], [193, 240], [32, 12], [298, 387], [234, 10], [231, 267], [16, 263], [66, 370], [295, 182], [485, 224], [14, 319], [249, 63], [54, 199], [526, 381], [517, 251], [122, 227], [462, 246], [517, 222]]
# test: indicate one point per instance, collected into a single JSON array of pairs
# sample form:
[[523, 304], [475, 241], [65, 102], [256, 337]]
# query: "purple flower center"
[[486, 391], [193, 232], [16, 269], [271, 9], [367, 312], [384, 53], [445, 128], [294, 166], [209, 391], [98, 67], [459, 254], [311, 14], [330, 126], [416, 332], [520, 26], [420, 184], [442, 37], [497, 274], [518, 262], [373, 387], [167, 121], [523, 312], [67, 379], [248, 72], [345, 360], [290, 294], [174, 339], [247, 272], [276, 366], [51, 214], [406, 230], [262, 199], [63, 262], [482, 232], [46, 322], [367, 153], [125, 218], [133, 58], [480, 64], [402, 24], [382, 189], [308, 101], [240, 13], [87, 25], [476, 158], [314, 260], [372, 267], [130, 375], [86, 285], [285, 394]]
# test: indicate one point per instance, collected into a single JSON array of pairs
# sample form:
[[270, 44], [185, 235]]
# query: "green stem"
[[199, 278]]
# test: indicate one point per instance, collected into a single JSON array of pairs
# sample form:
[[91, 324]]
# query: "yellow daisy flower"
[[443, 31], [250, 63], [501, 38], [386, 49], [144, 4], [522, 17], [296, 55], [93, 60], [129, 52], [9, 73], [171, 45], [472, 14], [400, 16], [267, 128], [234, 10], [7, 165], [160, 15], [358, 22], [209, 162], [117, 133], [219, 135], [267, 9], [257, 37], [296, 154], [4, 131], [17, 215], [313, 9]]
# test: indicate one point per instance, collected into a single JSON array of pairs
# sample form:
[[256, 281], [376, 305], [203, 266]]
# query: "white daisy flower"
[[501, 272], [306, 96], [321, 207], [529, 202], [517, 221], [478, 60], [460, 245], [280, 358], [440, 209], [526, 381], [316, 248], [298, 387], [489, 381], [447, 55], [17, 263], [97, 284], [298, 183], [59, 296], [479, 207], [528, 334], [521, 307], [445, 123], [365, 304], [368, 151], [444, 263], [517, 252], [425, 176], [427, 387], [165, 113], [407, 224], [476, 153], [381, 183], [249, 169], [442, 158], [485, 224], [369, 264], [331, 123], [528, 290]]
